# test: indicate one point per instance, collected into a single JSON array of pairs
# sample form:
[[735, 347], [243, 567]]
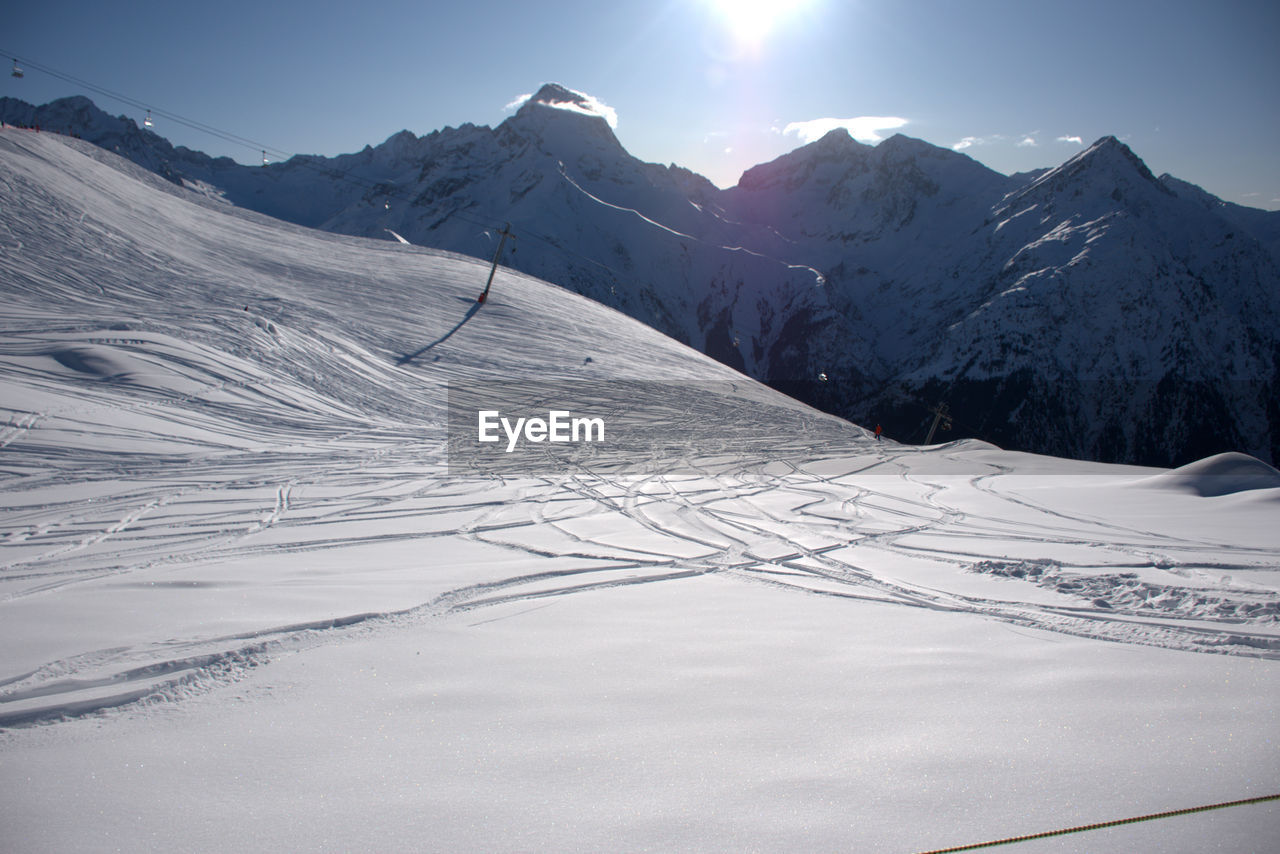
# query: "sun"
[[752, 21]]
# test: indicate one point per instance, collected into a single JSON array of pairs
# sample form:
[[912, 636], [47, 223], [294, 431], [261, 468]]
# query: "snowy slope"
[[592, 218], [904, 273], [246, 603]]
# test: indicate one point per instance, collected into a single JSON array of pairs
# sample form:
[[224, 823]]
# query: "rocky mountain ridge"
[[1089, 310]]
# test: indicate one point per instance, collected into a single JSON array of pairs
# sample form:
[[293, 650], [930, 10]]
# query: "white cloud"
[[971, 141], [519, 101], [1074, 140], [1028, 142], [587, 105], [592, 107], [861, 128]]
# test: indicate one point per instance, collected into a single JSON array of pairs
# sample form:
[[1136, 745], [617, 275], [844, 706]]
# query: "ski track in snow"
[[711, 520], [235, 434]]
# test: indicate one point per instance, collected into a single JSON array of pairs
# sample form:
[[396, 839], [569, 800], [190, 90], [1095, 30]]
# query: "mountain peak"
[[1108, 166], [837, 142], [909, 146], [1112, 152], [567, 122], [836, 136], [554, 93], [563, 98], [835, 149]]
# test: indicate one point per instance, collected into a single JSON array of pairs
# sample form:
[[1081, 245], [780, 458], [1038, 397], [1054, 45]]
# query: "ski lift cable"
[[174, 117], [225, 135], [389, 190], [567, 251], [165, 114]]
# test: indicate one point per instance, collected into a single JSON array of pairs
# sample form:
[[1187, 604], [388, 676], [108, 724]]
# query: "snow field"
[[239, 576]]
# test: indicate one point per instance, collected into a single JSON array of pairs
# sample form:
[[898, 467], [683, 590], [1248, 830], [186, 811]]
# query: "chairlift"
[[146, 123], [264, 157], [17, 72]]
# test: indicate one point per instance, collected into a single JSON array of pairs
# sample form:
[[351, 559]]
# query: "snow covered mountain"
[[253, 597], [1090, 310]]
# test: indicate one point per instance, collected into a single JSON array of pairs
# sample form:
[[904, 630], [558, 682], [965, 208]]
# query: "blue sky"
[[717, 87]]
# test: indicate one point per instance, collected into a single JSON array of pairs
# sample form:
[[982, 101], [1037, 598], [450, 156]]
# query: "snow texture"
[[246, 603], [1090, 310]]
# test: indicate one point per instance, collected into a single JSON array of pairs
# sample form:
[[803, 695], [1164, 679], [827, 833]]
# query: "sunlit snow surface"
[[246, 603]]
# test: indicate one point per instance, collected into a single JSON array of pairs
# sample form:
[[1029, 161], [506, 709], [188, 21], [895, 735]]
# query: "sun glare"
[[751, 21]]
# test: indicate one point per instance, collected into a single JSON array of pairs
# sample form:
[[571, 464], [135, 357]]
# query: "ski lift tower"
[[941, 415], [506, 232]]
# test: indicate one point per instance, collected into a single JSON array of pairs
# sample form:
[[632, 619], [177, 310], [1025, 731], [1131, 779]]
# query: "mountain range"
[[1091, 310], [264, 588]]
